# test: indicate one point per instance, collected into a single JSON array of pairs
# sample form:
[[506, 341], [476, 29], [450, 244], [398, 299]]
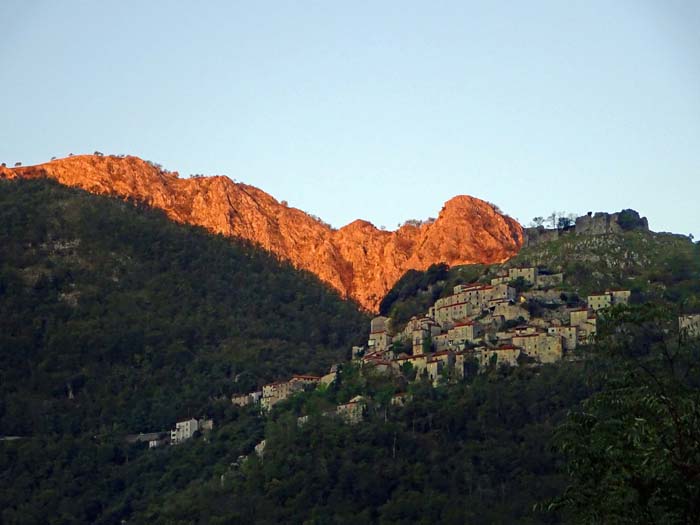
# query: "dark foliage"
[[468, 453], [115, 320]]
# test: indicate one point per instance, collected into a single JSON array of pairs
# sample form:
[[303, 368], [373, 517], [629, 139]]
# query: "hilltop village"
[[488, 324], [479, 325]]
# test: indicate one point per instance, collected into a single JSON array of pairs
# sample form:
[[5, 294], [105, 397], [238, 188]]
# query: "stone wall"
[[535, 236], [599, 223], [602, 223]]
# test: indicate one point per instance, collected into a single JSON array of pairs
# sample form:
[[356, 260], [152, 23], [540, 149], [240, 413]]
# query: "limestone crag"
[[359, 260]]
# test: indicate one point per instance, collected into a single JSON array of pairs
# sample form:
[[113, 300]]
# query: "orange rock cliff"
[[359, 260]]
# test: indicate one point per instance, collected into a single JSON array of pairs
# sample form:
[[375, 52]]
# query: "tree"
[[564, 222], [428, 343], [633, 449], [538, 221], [629, 219], [520, 284]]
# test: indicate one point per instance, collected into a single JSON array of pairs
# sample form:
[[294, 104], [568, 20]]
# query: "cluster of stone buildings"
[[183, 431], [273, 393], [486, 323], [351, 412]]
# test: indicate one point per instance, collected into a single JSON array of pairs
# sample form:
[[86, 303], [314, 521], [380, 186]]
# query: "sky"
[[374, 110]]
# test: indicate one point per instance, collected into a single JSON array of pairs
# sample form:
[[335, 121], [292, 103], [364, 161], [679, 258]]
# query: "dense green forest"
[[115, 320]]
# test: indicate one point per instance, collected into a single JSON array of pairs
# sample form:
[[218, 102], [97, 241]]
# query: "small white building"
[[183, 431]]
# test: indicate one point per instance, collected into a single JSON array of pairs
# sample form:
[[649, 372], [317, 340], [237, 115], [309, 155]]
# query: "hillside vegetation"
[[661, 267], [114, 320], [110, 314], [612, 438], [658, 266]]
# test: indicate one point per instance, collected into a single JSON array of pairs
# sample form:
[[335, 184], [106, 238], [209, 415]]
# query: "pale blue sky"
[[375, 110]]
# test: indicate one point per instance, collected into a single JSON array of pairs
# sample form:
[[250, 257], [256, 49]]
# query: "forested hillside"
[[609, 438], [115, 320]]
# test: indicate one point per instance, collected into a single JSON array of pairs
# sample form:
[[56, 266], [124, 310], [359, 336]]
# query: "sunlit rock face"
[[359, 260]]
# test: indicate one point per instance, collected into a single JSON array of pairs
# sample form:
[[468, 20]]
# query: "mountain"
[[107, 304], [359, 260]]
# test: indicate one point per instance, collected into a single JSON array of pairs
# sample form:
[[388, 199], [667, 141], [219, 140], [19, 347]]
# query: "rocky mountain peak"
[[359, 260]]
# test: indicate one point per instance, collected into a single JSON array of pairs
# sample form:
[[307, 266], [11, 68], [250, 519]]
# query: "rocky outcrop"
[[602, 223], [599, 223], [359, 260]]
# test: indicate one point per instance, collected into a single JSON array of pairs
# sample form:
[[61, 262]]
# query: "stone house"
[[448, 314], [154, 439], [353, 411], [528, 273], [206, 425], [183, 431], [378, 341], [273, 393], [543, 347], [578, 316], [400, 399], [505, 354], [568, 334], [620, 296], [379, 324], [461, 359], [380, 365], [508, 310], [250, 398], [379, 338], [260, 448], [305, 380], [419, 362], [689, 325], [418, 338], [599, 301], [500, 279], [358, 352], [502, 291], [587, 331], [439, 362], [524, 329], [610, 297], [240, 400], [465, 332], [159, 441], [441, 342]]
